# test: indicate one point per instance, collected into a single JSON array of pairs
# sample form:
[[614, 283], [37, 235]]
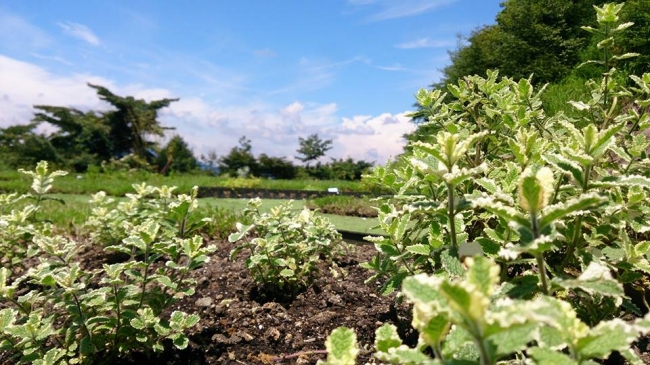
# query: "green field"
[[120, 183], [76, 209]]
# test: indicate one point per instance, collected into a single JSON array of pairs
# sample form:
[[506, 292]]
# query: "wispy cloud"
[[396, 67], [425, 43], [393, 9], [207, 124], [52, 58], [264, 53], [80, 31], [316, 74], [18, 34]]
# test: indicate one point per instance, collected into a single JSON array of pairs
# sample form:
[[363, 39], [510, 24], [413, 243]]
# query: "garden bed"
[[241, 325]]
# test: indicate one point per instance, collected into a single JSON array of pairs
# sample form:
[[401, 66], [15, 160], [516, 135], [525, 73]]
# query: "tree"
[[20, 146], [176, 156], [312, 148], [347, 169], [210, 160], [474, 55], [132, 122], [240, 157], [276, 167], [543, 37], [82, 138]]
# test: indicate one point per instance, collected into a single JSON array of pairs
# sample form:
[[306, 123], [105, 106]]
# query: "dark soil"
[[241, 324]]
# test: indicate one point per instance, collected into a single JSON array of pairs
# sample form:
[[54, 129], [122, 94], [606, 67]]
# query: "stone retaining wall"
[[248, 193]]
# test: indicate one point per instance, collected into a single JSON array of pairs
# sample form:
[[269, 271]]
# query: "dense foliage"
[[516, 234], [241, 162], [58, 312], [283, 248], [544, 40], [83, 139]]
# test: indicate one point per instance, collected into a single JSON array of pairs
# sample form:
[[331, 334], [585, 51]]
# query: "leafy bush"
[[472, 321], [58, 312], [110, 223], [514, 232], [20, 226], [284, 247], [343, 205]]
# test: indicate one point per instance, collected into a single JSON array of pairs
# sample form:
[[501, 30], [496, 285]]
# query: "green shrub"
[[283, 247], [343, 205], [58, 312], [513, 231]]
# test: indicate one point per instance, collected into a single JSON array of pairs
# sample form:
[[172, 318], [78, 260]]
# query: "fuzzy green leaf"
[[342, 347], [181, 341], [404, 355], [423, 250], [509, 214], [451, 263], [546, 356], [614, 335], [386, 337], [567, 166], [459, 345], [433, 330], [483, 274], [595, 279], [561, 210], [53, 357]]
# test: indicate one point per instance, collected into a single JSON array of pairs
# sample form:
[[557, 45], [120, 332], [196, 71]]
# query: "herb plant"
[[514, 233], [284, 247], [59, 312]]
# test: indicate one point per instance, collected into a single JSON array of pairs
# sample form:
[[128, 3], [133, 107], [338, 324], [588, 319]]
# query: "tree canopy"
[[312, 148], [81, 139]]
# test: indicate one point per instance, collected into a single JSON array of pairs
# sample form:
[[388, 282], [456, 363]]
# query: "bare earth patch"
[[240, 324]]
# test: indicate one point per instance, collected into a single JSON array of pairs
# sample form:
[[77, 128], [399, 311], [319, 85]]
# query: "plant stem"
[[437, 351], [82, 322], [451, 214], [542, 272], [298, 354], [574, 243], [483, 351], [145, 276], [540, 257], [118, 314]]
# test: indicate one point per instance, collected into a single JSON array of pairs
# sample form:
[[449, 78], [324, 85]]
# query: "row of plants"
[[119, 183], [519, 237], [56, 309], [343, 205]]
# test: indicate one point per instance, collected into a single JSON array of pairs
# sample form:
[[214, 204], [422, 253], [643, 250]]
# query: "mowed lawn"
[[76, 208]]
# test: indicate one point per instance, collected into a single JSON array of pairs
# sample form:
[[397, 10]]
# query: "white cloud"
[[393, 9], [23, 85], [52, 58], [425, 43], [384, 142], [207, 124], [80, 31]]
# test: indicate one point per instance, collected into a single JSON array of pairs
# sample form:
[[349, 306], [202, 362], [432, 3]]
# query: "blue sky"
[[270, 70]]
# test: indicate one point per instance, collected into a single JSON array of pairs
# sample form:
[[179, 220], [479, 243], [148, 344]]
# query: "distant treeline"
[[121, 139]]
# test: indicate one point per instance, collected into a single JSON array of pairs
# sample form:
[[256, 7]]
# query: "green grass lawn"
[[120, 183], [354, 224], [76, 209]]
